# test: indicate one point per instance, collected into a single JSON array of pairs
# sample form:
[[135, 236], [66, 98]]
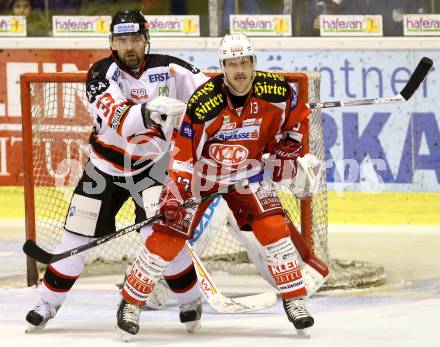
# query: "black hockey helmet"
[[129, 22]]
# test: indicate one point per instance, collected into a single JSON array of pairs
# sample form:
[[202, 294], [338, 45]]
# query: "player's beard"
[[132, 59]]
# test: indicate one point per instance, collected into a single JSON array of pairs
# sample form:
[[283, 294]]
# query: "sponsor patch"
[[186, 130], [116, 75], [139, 94], [124, 28], [159, 77], [246, 134], [294, 101], [252, 121], [83, 215], [229, 126], [96, 88], [228, 154], [119, 115], [183, 166]]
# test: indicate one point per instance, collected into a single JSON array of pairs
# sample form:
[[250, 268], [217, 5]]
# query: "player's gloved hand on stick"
[[285, 152], [173, 196]]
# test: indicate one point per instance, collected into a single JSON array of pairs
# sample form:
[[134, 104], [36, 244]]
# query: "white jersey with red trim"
[[120, 144]]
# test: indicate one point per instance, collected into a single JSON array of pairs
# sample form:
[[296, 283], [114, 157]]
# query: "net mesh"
[[61, 125]]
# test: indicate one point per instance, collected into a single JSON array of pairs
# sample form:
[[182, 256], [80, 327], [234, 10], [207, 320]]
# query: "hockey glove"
[[285, 152], [305, 183], [173, 196], [164, 105]]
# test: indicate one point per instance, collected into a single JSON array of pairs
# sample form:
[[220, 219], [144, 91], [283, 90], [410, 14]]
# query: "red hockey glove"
[[173, 196], [287, 152]]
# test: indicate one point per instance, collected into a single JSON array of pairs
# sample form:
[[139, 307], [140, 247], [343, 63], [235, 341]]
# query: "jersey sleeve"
[[110, 108], [188, 143], [188, 78], [296, 121]]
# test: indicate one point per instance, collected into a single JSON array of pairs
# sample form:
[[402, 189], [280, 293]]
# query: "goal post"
[[56, 123]]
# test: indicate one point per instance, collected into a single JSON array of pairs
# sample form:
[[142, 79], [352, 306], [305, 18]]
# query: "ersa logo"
[[160, 77], [228, 154], [139, 94]]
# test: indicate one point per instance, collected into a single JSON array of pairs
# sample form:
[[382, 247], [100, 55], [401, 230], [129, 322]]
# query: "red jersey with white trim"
[[225, 143], [120, 144]]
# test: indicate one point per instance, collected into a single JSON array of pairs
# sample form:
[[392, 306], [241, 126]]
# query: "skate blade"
[[303, 333], [192, 327], [30, 329], [124, 336]]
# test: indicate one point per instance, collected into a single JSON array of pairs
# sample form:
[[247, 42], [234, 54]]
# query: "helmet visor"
[[127, 41]]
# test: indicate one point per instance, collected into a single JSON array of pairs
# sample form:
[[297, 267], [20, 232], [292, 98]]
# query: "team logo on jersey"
[[226, 119], [139, 94], [186, 130], [228, 154]]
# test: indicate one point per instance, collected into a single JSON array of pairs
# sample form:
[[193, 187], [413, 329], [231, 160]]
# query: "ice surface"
[[404, 312]]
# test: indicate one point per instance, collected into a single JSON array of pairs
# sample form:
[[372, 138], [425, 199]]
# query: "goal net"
[[57, 123]]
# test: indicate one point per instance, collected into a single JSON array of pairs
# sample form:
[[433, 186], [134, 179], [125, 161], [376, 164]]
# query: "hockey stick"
[[221, 303], [34, 251], [407, 91]]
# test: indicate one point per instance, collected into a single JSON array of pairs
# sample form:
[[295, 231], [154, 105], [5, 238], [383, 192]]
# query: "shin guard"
[[145, 272], [282, 260]]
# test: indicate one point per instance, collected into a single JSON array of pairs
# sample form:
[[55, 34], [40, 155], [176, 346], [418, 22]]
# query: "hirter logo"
[[228, 154]]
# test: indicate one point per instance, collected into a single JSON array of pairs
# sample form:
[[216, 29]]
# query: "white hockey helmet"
[[235, 46]]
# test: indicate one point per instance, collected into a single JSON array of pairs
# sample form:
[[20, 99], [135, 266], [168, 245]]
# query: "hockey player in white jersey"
[[136, 99]]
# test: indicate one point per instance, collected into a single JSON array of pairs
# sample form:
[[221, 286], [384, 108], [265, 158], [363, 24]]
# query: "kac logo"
[[228, 154]]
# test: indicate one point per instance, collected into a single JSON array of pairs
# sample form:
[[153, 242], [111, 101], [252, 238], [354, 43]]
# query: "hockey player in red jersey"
[[230, 121], [129, 92]]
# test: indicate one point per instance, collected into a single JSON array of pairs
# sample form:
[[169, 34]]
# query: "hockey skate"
[[191, 314], [298, 315], [127, 320], [40, 315]]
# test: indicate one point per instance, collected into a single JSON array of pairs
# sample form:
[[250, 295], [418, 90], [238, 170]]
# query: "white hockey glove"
[[164, 105], [304, 184]]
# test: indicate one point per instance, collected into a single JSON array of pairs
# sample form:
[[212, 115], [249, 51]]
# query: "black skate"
[[40, 315], [191, 314], [128, 319], [298, 315]]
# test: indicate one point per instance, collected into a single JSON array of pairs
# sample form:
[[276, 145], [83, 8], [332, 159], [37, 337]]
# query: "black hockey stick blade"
[[417, 77], [34, 251]]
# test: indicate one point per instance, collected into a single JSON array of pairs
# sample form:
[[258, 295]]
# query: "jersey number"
[[254, 107]]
